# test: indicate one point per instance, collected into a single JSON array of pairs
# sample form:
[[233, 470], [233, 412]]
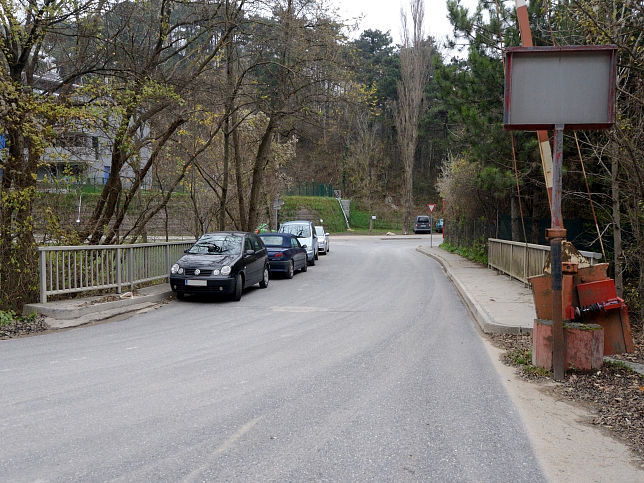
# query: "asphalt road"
[[367, 367]]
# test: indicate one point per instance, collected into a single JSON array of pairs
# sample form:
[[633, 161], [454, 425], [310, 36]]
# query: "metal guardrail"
[[71, 269], [344, 213], [523, 260]]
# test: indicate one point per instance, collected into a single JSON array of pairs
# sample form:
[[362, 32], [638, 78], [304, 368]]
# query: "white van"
[[305, 233]]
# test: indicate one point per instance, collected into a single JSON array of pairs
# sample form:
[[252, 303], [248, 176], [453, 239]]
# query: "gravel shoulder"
[[588, 421]]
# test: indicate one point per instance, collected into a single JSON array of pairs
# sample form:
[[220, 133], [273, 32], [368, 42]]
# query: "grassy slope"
[[328, 209]]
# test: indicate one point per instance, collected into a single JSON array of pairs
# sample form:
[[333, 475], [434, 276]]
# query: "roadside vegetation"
[[476, 252], [14, 325]]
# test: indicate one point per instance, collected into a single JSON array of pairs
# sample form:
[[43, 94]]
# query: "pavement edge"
[[480, 315]]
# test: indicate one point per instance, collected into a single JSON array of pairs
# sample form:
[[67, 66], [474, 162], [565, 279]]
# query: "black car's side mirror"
[[250, 252], [187, 250], [303, 246]]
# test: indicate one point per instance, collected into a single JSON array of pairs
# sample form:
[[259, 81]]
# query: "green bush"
[[6, 317], [476, 253]]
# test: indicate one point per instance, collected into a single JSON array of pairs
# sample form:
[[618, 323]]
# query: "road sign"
[[431, 207]]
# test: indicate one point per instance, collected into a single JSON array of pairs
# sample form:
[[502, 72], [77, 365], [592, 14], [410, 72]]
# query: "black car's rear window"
[[274, 241], [422, 219], [218, 244]]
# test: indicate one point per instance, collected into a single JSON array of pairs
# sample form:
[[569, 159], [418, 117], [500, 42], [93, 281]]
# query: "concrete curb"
[[481, 316], [71, 313], [105, 313]]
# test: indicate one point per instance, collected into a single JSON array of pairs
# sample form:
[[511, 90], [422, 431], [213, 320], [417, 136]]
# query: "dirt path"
[[568, 446]]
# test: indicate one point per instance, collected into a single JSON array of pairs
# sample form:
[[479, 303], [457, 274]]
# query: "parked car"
[[422, 224], [221, 263], [285, 253], [305, 234], [439, 226], [323, 240]]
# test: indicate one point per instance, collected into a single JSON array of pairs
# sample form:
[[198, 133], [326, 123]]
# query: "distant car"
[[439, 226], [221, 263], [323, 240], [285, 253], [306, 235], [422, 224]]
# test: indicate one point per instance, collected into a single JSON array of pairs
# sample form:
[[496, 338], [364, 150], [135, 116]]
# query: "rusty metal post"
[[556, 234], [542, 136]]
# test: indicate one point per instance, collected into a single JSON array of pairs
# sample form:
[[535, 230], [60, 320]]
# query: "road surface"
[[367, 367]]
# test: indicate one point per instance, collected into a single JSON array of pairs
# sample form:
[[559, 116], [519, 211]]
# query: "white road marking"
[[226, 445], [298, 310]]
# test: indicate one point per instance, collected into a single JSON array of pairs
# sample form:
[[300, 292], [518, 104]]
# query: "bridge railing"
[[523, 260], [72, 269]]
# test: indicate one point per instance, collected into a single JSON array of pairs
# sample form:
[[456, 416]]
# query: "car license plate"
[[197, 283]]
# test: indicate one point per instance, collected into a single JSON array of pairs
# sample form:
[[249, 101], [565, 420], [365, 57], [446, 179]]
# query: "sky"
[[385, 15]]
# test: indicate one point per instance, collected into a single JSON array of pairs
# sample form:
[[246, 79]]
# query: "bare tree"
[[415, 63]]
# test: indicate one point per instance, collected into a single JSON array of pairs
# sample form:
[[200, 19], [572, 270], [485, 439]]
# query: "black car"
[[422, 225], [221, 263], [285, 253]]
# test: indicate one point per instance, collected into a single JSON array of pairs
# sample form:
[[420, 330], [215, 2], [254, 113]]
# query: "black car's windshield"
[[422, 219], [218, 244], [273, 240], [300, 231]]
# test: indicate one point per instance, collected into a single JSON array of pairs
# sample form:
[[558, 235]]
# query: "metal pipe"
[[556, 234]]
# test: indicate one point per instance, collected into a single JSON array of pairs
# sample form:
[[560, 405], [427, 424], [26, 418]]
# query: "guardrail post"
[[119, 281], [43, 276], [511, 267], [130, 267], [525, 263], [167, 257]]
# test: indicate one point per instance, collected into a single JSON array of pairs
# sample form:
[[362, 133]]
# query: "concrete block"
[[584, 345]]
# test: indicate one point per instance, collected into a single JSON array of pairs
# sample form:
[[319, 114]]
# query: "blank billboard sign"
[[571, 86]]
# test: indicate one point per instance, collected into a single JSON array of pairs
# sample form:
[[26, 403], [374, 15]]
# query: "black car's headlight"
[[176, 269], [225, 270]]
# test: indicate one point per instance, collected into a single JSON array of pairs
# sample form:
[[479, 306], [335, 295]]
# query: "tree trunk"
[[261, 160], [106, 205], [514, 215], [238, 176], [535, 218], [224, 184]]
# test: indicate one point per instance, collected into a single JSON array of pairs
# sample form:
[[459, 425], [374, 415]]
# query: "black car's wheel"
[[316, 255], [306, 266], [291, 270], [180, 295], [312, 262], [239, 287], [265, 278]]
